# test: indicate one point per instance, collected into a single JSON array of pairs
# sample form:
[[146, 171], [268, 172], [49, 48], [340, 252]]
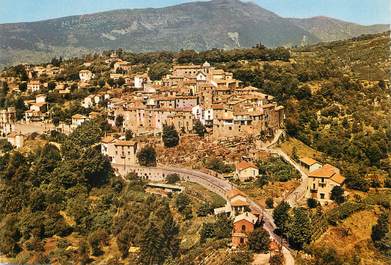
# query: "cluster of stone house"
[[199, 92], [94, 99], [38, 71], [321, 179], [38, 109]]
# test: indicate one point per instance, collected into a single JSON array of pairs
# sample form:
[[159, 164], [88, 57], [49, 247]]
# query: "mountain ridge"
[[200, 25]]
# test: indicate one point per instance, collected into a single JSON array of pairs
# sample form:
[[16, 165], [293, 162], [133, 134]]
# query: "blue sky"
[[359, 11]]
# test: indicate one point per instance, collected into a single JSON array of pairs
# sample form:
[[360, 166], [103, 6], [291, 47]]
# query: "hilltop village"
[[189, 93], [182, 161]]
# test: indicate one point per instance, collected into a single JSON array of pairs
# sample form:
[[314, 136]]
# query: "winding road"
[[217, 185], [221, 186]]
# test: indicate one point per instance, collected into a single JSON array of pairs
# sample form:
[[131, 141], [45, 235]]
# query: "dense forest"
[[67, 193]]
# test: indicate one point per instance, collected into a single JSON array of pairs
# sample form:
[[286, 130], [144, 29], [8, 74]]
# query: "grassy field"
[[353, 236], [189, 230], [302, 149], [277, 190]]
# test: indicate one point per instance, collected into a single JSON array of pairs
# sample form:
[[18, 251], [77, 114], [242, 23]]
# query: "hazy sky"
[[359, 11]]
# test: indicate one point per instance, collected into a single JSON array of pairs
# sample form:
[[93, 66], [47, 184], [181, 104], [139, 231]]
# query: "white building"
[[78, 120], [85, 75], [16, 139], [33, 86]]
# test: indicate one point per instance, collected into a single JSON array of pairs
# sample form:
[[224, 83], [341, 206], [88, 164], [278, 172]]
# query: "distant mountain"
[[330, 29], [197, 25]]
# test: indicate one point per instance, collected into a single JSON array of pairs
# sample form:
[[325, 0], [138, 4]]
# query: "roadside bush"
[[172, 178], [269, 203], [312, 203]]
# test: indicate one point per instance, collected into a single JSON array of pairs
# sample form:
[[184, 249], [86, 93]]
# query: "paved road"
[[299, 192], [219, 186]]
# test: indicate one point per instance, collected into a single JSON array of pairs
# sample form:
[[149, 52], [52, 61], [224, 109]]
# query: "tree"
[[277, 259], [172, 178], [259, 240], [281, 216], [223, 226], [207, 231], [170, 235], [9, 236], [182, 201], [312, 203], [51, 85], [101, 83], [96, 239], [96, 167], [199, 128], [120, 81], [337, 194], [269, 203], [147, 156], [83, 253], [158, 70], [170, 136], [123, 242], [111, 82], [119, 121], [300, 230], [380, 229], [5, 88], [295, 155], [151, 246], [205, 209], [56, 121], [262, 181], [23, 86], [128, 135]]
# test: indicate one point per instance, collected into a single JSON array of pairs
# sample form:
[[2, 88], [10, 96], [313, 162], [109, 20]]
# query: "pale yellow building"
[[246, 171], [321, 182]]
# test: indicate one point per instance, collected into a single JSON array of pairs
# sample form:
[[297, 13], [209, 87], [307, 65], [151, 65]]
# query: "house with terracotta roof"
[[309, 164], [321, 182], [78, 119], [243, 225], [237, 203], [246, 170]]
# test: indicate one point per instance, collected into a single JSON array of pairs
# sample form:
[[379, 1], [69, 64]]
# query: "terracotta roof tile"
[[244, 165]]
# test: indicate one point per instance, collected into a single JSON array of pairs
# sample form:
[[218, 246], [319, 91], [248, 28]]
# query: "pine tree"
[[281, 216], [259, 240], [151, 247], [300, 230], [170, 233]]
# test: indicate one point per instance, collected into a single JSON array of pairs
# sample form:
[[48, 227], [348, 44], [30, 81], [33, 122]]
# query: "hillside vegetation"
[[330, 106]]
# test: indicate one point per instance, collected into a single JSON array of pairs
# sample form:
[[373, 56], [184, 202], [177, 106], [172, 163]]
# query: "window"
[[322, 196], [243, 228], [241, 240]]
